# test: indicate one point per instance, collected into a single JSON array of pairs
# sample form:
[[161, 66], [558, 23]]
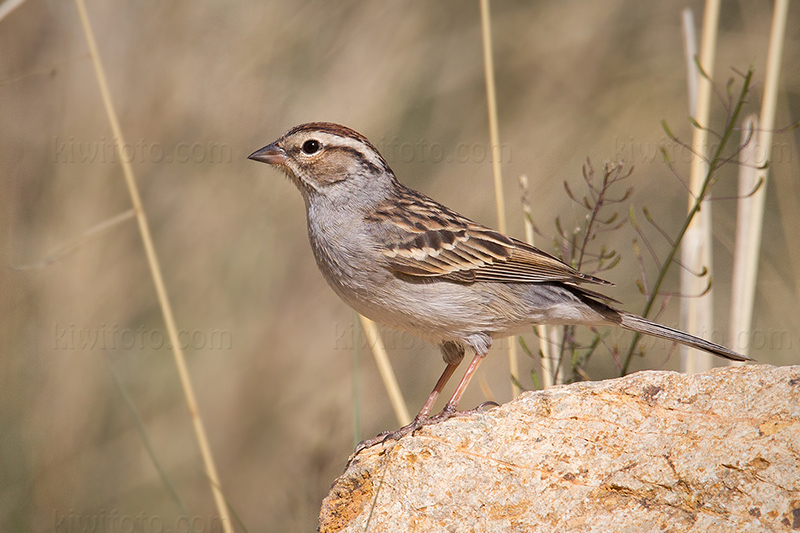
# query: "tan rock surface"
[[654, 451]]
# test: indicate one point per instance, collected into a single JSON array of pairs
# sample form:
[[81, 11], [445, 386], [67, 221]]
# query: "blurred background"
[[198, 87]]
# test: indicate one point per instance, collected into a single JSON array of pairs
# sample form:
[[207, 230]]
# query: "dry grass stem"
[[762, 143], [8, 6], [743, 284], [494, 137], [690, 44], [486, 390], [85, 237], [543, 332], [696, 311], [155, 271], [385, 369]]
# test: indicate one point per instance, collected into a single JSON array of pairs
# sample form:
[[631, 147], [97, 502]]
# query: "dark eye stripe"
[[363, 161]]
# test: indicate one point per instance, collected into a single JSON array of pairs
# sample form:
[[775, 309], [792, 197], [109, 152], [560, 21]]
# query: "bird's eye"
[[311, 146]]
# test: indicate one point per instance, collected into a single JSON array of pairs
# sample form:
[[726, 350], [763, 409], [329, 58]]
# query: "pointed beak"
[[271, 154]]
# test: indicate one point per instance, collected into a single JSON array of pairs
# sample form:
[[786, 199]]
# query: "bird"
[[406, 261]]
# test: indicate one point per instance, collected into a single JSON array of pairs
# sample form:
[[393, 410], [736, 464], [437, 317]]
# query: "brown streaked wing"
[[431, 241]]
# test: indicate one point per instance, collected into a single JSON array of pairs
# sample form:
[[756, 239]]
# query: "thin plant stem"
[[542, 332], [385, 369], [730, 127], [494, 138], [85, 237], [158, 280], [763, 142], [748, 178], [148, 445], [356, 380], [696, 251], [8, 6], [690, 43]]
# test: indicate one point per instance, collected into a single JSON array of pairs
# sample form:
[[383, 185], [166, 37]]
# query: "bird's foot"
[[450, 412], [390, 435], [447, 413]]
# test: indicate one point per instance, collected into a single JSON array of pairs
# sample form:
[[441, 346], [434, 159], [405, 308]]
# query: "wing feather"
[[424, 239]]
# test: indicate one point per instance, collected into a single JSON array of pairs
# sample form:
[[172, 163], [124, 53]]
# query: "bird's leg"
[[437, 390], [452, 406], [419, 419]]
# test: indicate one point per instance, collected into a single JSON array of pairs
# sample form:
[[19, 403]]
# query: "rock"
[[653, 451]]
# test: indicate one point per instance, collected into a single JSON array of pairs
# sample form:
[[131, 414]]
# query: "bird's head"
[[330, 161]]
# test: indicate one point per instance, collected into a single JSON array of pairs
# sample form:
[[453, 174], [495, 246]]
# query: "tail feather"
[[642, 325]]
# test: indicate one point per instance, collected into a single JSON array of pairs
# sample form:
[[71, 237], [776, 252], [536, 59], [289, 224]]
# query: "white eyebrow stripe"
[[348, 142]]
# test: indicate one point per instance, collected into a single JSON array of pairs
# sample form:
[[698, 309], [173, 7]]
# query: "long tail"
[[641, 325]]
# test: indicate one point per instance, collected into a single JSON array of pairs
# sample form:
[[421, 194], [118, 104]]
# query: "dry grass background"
[[575, 79]]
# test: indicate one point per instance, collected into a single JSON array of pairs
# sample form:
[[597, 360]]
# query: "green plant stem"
[[148, 444], [707, 182]]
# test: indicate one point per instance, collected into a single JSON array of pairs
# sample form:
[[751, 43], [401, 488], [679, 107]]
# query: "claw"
[[388, 435], [447, 413], [485, 406]]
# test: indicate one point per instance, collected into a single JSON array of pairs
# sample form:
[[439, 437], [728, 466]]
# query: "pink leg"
[[437, 390], [452, 405], [418, 420]]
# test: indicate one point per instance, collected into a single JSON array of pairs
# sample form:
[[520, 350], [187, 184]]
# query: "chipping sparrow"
[[404, 260]]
